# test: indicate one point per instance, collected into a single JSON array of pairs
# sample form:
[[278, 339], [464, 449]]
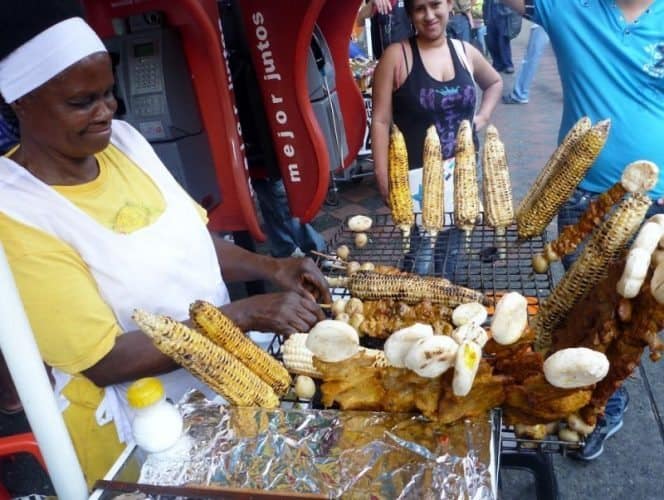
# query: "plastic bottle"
[[157, 425]]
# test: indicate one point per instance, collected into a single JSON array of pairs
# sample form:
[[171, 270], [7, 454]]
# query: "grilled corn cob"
[[553, 165], [497, 188], [466, 192], [432, 184], [410, 289], [212, 323], [297, 357], [639, 176], [604, 247], [401, 201], [207, 361], [563, 179]]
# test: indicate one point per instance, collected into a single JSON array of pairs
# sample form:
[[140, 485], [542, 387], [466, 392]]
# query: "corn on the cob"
[[207, 361], [297, 357], [496, 184], [562, 181], [410, 289], [432, 184], [400, 198], [212, 323], [553, 164], [466, 191], [639, 176], [604, 247]]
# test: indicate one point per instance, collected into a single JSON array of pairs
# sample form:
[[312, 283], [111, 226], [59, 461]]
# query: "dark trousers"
[[498, 45]]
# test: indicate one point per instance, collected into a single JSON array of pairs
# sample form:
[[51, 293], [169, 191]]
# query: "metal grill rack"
[[484, 261]]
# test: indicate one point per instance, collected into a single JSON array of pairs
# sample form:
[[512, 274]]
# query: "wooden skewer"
[[325, 306], [328, 256]]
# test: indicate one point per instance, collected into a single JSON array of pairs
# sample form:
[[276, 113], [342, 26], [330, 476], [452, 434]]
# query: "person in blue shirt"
[[610, 58]]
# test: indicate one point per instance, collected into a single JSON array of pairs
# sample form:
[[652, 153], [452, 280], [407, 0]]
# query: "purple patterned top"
[[422, 101]]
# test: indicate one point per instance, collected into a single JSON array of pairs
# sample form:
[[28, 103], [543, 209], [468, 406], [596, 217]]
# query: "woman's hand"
[[300, 275], [283, 313], [383, 6], [480, 121]]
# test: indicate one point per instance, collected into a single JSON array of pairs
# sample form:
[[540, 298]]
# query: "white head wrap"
[[45, 55]]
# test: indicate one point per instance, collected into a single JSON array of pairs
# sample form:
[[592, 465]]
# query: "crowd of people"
[[93, 223]]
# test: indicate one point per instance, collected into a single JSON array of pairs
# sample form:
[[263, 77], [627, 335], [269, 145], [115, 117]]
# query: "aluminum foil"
[[329, 452]]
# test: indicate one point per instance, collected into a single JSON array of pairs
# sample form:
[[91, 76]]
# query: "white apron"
[[161, 268]]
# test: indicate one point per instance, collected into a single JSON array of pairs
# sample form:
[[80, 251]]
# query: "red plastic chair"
[[19, 443]]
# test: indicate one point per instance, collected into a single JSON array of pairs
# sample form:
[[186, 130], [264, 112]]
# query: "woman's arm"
[[489, 81], [381, 114]]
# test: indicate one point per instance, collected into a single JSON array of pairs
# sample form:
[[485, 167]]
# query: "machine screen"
[[144, 50]]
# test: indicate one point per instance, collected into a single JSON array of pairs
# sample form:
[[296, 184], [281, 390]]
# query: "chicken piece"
[[382, 317], [488, 391]]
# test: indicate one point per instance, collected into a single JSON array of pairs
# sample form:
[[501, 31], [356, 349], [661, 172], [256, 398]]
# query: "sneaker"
[[595, 441], [509, 99], [607, 426]]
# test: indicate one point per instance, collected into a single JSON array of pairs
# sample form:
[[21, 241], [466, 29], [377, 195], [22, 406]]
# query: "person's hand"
[[383, 6], [300, 275], [282, 312], [480, 121]]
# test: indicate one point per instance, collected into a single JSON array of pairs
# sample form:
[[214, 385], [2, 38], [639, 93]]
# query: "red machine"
[[280, 41], [280, 38]]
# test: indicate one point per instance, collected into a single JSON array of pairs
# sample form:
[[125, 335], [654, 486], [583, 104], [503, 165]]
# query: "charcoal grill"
[[484, 261]]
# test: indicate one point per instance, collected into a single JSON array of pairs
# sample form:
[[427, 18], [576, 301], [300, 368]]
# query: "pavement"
[[632, 465]]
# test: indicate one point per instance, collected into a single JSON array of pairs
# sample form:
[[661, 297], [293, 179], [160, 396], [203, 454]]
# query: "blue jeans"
[[438, 259], [497, 41], [537, 41], [285, 233]]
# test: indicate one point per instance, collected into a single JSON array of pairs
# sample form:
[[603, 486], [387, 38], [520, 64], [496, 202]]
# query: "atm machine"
[[155, 95]]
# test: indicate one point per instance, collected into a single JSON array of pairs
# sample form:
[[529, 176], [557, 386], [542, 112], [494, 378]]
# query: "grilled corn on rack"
[[466, 192], [604, 247], [222, 331], [552, 165], [432, 185], [207, 361], [562, 179], [297, 356], [411, 289], [497, 188], [401, 201]]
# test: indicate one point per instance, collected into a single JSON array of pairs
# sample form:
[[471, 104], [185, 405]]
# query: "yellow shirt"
[[73, 326]]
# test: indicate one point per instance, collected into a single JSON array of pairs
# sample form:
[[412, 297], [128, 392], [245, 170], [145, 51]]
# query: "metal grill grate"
[[484, 261]]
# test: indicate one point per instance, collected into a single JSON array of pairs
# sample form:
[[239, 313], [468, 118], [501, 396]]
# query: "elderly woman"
[[94, 226], [427, 80]]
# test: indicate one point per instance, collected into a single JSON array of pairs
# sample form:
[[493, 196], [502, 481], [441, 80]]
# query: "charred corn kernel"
[[297, 357], [496, 184], [604, 247], [564, 178], [401, 201], [207, 361], [553, 164], [212, 323], [571, 236], [466, 191], [412, 289], [432, 184]]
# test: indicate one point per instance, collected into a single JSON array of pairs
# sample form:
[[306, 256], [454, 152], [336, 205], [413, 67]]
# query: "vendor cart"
[[483, 261]]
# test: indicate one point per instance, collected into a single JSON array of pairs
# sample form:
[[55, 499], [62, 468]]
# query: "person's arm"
[[381, 114], [299, 275], [489, 81], [517, 5]]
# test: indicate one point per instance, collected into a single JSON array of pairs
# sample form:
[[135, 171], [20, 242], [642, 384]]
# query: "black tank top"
[[422, 101]]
